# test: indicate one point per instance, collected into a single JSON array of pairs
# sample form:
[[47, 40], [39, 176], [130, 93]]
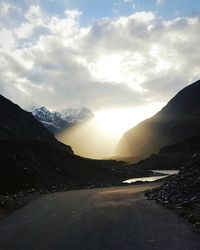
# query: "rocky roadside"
[[11, 202], [182, 192]]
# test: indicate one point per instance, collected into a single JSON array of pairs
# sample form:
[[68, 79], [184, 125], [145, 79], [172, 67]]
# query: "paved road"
[[104, 219]]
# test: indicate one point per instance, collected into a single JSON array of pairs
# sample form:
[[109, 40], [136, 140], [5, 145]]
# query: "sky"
[[123, 59]]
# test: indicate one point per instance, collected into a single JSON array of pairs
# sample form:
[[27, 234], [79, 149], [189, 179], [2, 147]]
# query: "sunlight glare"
[[107, 68], [118, 121], [118, 69], [98, 137]]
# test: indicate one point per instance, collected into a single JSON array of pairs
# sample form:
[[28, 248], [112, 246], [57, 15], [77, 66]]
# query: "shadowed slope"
[[31, 157], [178, 120]]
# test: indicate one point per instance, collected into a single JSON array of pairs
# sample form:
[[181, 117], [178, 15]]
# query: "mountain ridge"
[[178, 120], [32, 158], [18, 124], [55, 121]]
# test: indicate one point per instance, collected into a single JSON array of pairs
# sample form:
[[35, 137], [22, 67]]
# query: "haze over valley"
[[124, 65], [99, 125]]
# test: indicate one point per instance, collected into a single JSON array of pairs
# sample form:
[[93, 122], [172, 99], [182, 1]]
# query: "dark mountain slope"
[[170, 157], [40, 165], [16, 123], [178, 120], [30, 156]]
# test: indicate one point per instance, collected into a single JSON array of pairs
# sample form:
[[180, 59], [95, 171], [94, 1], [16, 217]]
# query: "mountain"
[[51, 120], [18, 124], [170, 157], [31, 157], [75, 116], [177, 121], [56, 122]]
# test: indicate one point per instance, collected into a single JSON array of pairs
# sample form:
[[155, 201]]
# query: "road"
[[117, 218]]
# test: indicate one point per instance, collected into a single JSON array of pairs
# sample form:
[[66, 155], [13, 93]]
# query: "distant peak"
[[57, 121], [76, 114], [42, 109]]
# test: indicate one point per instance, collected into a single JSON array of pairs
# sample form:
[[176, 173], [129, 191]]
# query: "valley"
[[99, 125], [42, 174]]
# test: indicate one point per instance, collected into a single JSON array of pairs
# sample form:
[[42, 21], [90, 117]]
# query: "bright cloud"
[[112, 63]]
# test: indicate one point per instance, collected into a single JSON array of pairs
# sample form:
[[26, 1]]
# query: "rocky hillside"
[[178, 120], [31, 157], [56, 122], [182, 192], [183, 187]]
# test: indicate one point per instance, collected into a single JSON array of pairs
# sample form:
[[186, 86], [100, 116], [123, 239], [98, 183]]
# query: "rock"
[[182, 192]]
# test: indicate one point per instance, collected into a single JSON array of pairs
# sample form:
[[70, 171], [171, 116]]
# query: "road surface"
[[117, 218]]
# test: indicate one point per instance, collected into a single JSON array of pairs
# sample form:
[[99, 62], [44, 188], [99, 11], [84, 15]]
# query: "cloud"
[[121, 62], [159, 2], [123, 3]]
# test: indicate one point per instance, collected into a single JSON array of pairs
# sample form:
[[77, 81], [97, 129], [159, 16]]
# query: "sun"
[[118, 69], [107, 68]]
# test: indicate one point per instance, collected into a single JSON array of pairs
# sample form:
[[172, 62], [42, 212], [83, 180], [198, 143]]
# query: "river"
[[153, 178]]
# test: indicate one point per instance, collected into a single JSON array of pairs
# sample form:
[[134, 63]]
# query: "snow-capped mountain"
[[56, 122], [43, 114], [76, 115]]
